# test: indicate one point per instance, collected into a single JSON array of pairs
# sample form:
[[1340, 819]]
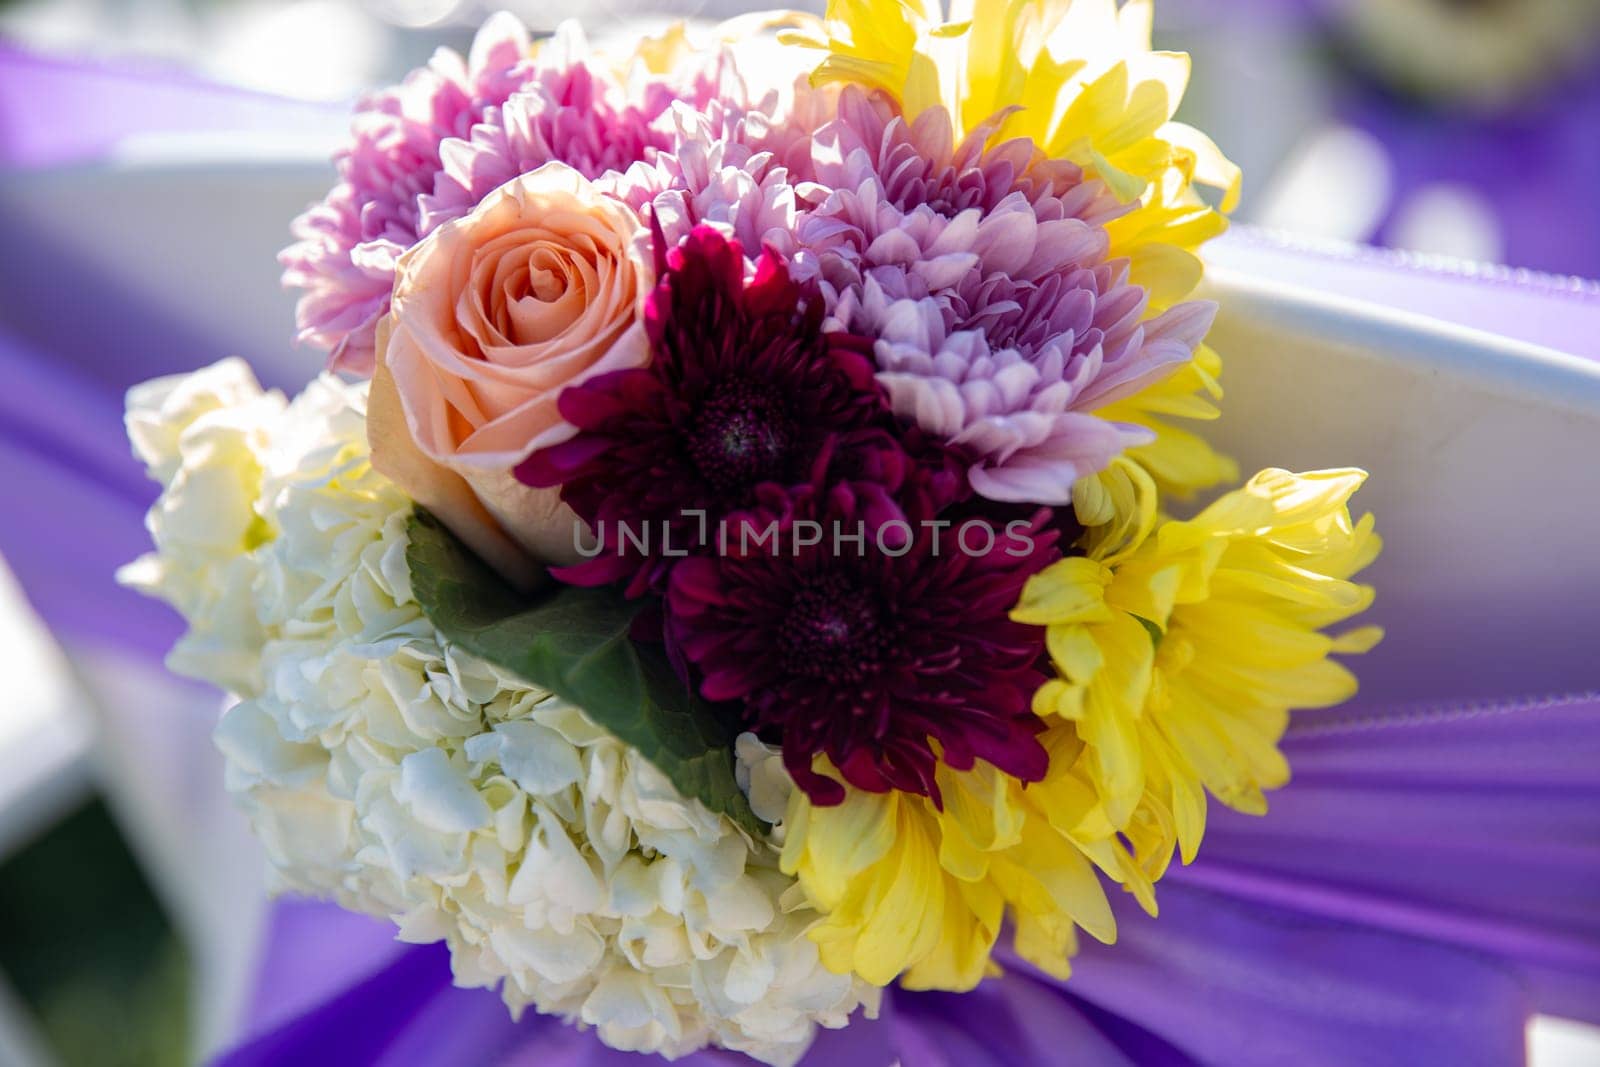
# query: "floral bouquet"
[[734, 563]]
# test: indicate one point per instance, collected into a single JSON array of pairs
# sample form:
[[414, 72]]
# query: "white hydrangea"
[[203, 437], [404, 777]]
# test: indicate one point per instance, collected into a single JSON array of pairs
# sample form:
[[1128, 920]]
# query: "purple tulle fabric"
[[1423, 885], [1419, 888]]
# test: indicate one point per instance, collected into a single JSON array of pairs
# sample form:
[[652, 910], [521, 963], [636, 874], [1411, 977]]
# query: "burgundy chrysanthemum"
[[888, 658], [744, 391]]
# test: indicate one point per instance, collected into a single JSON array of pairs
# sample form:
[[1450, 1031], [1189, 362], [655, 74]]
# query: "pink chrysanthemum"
[[578, 114], [1000, 324], [430, 149], [730, 164], [713, 176], [346, 246], [569, 112]]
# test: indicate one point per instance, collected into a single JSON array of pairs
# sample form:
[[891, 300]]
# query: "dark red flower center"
[[741, 436], [835, 628]]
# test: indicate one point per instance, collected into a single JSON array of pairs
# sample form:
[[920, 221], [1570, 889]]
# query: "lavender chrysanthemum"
[[982, 273]]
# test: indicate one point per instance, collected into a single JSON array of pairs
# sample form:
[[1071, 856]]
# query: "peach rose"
[[493, 315]]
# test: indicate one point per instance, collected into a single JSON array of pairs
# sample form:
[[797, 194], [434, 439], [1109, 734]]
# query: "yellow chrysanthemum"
[[1182, 649], [1180, 646], [919, 893], [1079, 79], [1179, 461]]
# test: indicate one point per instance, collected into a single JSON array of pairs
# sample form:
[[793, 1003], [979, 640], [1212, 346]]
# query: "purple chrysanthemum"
[[744, 392], [888, 656], [982, 273]]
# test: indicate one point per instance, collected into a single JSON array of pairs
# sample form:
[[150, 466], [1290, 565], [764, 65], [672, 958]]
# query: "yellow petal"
[[1070, 590]]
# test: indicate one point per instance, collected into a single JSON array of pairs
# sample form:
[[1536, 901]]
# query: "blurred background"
[[1462, 132], [1461, 128]]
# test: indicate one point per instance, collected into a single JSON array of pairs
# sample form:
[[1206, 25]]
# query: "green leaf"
[[574, 642]]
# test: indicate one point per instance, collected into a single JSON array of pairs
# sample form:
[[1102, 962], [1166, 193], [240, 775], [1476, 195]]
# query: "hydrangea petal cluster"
[[202, 438], [744, 390], [983, 274], [384, 767]]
